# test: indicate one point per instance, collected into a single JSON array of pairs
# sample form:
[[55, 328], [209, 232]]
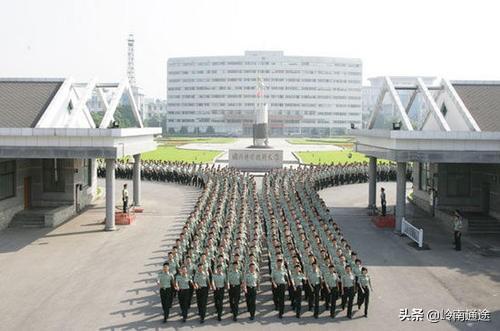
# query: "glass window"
[[7, 179], [53, 175]]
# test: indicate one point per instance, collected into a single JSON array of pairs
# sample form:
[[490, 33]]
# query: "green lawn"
[[175, 141], [334, 156], [172, 153], [319, 141], [344, 142]]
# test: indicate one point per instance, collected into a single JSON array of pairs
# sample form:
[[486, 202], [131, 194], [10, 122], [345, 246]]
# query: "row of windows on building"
[[277, 71], [248, 79], [306, 121], [53, 176], [263, 63], [280, 112], [269, 88], [267, 96], [319, 105]]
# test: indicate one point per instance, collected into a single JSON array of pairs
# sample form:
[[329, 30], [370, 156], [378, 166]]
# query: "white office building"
[[305, 95], [153, 107]]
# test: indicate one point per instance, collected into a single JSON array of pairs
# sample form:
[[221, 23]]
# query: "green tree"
[[97, 117], [153, 121], [125, 117]]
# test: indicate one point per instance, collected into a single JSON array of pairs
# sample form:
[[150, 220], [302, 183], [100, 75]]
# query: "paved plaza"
[[77, 277], [277, 143]]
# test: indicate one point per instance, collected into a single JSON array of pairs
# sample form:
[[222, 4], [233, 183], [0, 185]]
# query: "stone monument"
[[260, 156]]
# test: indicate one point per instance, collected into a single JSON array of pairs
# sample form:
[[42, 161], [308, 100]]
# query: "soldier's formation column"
[[372, 185], [136, 177], [400, 194], [110, 195]]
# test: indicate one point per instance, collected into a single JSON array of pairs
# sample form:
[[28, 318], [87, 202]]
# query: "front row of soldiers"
[[330, 285], [184, 285]]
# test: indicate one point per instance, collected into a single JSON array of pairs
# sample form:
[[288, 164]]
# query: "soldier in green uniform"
[[251, 286], [315, 280], [365, 285], [201, 284], [457, 230], [234, 279], [332, 284], [218, 283], [348, 290], [183, 285], [298, 279], [279, 281], [165, 281]]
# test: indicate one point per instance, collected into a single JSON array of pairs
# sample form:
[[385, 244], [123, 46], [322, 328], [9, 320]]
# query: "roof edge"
[[30, 80]]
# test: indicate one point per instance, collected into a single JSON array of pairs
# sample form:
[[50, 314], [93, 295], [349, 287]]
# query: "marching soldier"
[[218, 283], [183, 284], [201, 284], [234, 279], [365, 285], [165, 281], [332, 284], [298, 279], [251, 286], [314, 279], [279, 281], [348, 290]]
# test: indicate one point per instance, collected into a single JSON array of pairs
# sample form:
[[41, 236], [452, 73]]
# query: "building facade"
[[49, 144], [454, 151], [305, 95], [153, 107]]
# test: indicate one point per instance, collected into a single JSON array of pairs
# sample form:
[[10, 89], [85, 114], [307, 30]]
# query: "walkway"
[[277, 143], [403, 277], [77, 277]]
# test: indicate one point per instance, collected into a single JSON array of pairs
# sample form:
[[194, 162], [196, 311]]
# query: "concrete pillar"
[[137, 179], [372, 182], [400, 194], [110, 195]]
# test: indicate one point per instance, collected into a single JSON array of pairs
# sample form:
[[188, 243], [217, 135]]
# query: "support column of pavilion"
[[400, 194], [372, 183], [110, 195], [110, 189]]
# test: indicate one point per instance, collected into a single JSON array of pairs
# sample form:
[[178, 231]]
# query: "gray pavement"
[[77, 277], [404, 277]]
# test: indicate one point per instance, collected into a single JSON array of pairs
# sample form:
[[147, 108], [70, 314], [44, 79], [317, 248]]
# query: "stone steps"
[[27, 220], [483, 225]]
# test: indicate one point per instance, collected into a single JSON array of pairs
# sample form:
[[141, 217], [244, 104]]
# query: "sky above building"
[[86, 38]]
